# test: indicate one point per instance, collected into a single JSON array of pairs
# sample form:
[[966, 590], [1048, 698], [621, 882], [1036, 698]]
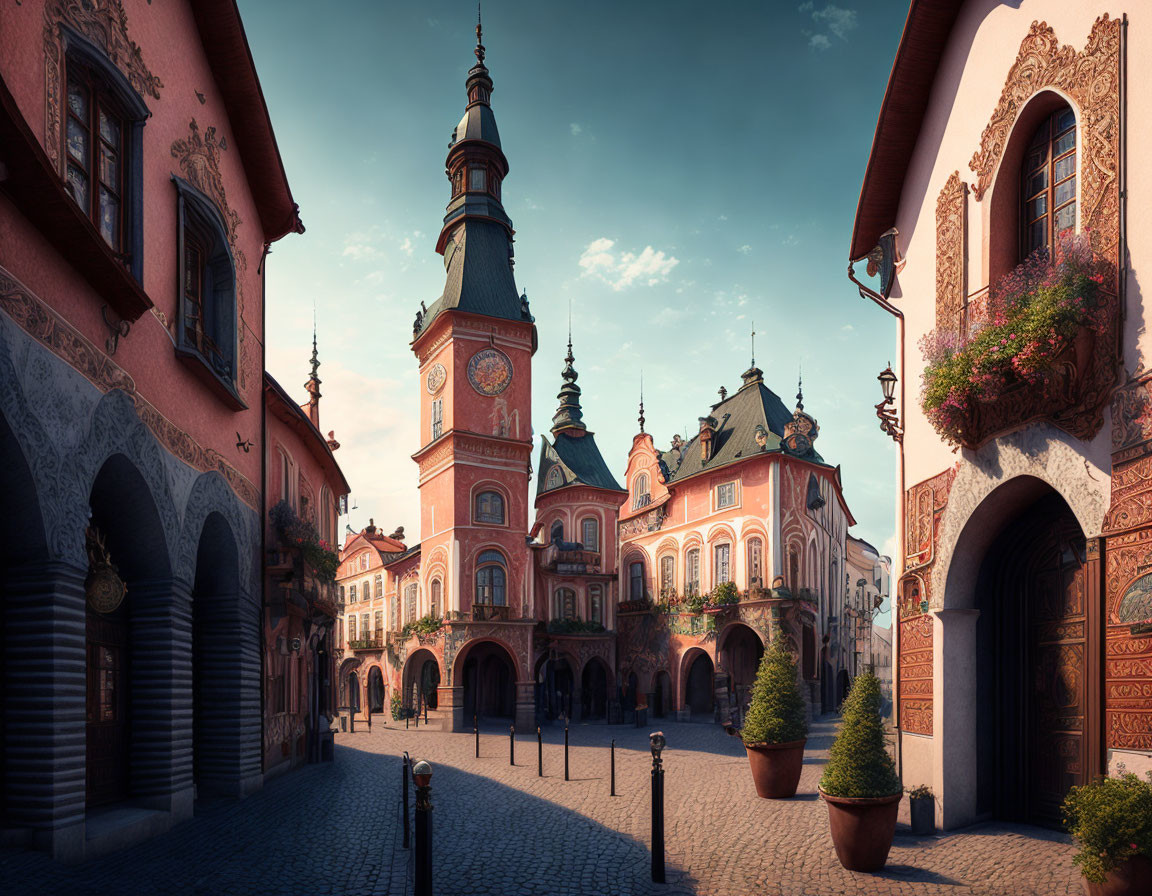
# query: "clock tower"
[[475, 345]]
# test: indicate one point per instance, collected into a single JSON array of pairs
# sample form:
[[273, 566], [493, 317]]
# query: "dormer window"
[[641, 497], [476, 179]]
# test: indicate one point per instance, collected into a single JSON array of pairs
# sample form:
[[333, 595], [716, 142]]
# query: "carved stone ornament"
[[436, 378], [105, 24], [1127, 656], [951, 246]]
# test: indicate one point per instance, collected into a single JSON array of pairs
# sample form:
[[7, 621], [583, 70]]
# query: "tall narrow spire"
[[800, 389], [479, 32], [641, 417], [312, 387], [753, 364], [569, 416]]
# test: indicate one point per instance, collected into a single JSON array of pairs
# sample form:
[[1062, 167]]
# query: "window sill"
[[225, 389]]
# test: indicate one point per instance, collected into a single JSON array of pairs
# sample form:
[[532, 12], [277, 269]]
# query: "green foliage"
[[1111, 820], [859, 764], [921, 792], [573, 627], [425, 625], [694, 603], [725, 595], [397, 707], [301, 535], [777, 714]]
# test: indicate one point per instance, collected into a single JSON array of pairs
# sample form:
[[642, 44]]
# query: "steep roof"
[[280, 403], [579, 460], [902, 113]]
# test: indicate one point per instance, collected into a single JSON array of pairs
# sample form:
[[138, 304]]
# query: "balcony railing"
[[376, 640], [489, 612], [569, 558]]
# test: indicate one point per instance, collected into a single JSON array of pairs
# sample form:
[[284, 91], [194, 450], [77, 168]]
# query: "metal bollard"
[[422, 774], [476, 731], [539, 754], [406, 717], [656, 739], [565, 749], [404, 766], [613, 755], [511, 744], [425, 713]]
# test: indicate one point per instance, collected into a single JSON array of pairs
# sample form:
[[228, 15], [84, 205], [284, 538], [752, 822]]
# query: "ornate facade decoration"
[[646, 522], [924, 504], [1132, 420], [1127, 657], [916, 674], [105, 24], [951, 253]]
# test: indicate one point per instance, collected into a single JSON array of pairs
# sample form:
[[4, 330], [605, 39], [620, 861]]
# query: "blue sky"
[[678, 171]]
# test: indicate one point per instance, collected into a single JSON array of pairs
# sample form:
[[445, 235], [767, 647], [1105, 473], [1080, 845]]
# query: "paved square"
[[501, 830]]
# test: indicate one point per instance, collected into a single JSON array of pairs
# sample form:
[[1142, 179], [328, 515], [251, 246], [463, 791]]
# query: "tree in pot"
[[776, 727], [860, 785], [1111, 821]]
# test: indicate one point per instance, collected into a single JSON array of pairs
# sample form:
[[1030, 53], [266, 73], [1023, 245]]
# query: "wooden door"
[[107, 730], [1057, 692]]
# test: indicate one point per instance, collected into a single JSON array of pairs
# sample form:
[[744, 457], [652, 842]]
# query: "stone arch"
[[594, 691], [377, 687], [413, 679], [697, 673], [1014, 462], [487, 670], [210, 494]]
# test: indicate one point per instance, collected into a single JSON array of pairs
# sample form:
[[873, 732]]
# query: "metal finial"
[[479, 31], [753, 343], [800, 390], [315, 352], [641, 417]]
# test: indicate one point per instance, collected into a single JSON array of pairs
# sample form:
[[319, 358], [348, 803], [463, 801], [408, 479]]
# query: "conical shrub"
[[859, 764], [777, 714]]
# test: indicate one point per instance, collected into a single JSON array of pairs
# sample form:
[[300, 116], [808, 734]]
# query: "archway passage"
[[698, 689], [375, 690], [594, 689], [421, 679], [489, 680], [353, 693], [1033, 680], [741, 657], [555, 683], [662, 695]]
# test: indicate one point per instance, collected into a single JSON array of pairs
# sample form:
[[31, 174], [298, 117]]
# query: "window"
[[556, 533], [755, 562], [342, 594], [721, 571], [379, 592], [555, 478], [667, 575], [365, 628], [726, 495], [476, 178], [340, 633], [365, 591], [207, 318], [490, 508], [327, 516], [596, 604], [434, 603], [363, 560], [1048, 183], [410, 603], [378, 621], [640, 489], [395, 616], [437, 417], [490, 579], [636, 581], [692, 572], [793, 570], [351, 629], [351, 594], [564, 604], [590, 533], [286, 480]]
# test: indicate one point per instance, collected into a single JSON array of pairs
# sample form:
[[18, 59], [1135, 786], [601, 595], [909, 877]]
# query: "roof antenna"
[[641, 417]]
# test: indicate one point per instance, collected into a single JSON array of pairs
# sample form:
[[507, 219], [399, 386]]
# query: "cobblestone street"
[[503, 831]]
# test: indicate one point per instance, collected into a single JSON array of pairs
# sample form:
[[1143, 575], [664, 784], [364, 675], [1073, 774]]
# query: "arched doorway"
[[1032, 675], [421, 679], [376, 693], [555, 682], [741, 657], [489, 679], [216, 660], [353, 693], [698, 688], [662, 695], [594, 689]]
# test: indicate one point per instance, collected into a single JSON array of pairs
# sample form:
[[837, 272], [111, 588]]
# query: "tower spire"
[[800, 389], [312, 387], [569, 415], [479, 32], [753, 364], [641, 417]]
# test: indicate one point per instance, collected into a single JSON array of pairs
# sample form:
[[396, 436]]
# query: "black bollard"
[[404, 775], [425, 713], [612, 753], [511, 744], [476, 731], [657, 741], [406, 717], [565, 749], [539, 754], [422, 774]]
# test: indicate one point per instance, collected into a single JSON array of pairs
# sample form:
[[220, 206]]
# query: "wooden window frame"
[[1049, 191], [490, 519]]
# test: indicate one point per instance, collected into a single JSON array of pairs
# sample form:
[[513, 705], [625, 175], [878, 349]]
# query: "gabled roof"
[[412, 551], [902, 113], [579, 460]]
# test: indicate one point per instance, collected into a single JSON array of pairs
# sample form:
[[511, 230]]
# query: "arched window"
[[692, 572], [722, 570], [640, 498], [556, 533], [590, 533], [490, 508], [667, 575], [755, 562], [793, 570], [555, 478], [595, 604], [636, 581], [1048, 183], [564, 604], [410, 593], [491, 579], [434, 599]]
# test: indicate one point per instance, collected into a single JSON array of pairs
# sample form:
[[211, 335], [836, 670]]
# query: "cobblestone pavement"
[[501, 830]]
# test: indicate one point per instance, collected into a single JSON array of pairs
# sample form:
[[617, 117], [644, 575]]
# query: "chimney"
[[707, 432]]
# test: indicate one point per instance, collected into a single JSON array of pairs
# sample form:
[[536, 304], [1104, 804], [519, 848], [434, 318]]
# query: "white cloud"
[[670, 316], [576, 129], [745, 249], [624, 269], [847, 328], [359, 251], [831, 21], [406, 247]]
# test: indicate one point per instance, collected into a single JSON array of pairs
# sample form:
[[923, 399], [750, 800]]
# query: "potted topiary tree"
[[860, 784], [776, 727], [1111, 821]]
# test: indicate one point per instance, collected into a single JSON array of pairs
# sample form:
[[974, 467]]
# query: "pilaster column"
[[954, 715], [45, 700]]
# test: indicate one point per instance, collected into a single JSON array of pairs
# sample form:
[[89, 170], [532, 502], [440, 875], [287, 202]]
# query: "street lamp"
[[886, 409]]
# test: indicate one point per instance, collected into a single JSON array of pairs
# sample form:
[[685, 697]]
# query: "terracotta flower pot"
[[776, 768], [1132, 877], [862, 829]]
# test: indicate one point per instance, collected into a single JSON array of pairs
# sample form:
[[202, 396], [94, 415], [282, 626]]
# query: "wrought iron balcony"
[[373, 641], [490, 612], [570, 558]]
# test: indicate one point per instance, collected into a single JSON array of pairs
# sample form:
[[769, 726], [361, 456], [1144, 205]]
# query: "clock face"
[[489, 372], [436, 377]]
